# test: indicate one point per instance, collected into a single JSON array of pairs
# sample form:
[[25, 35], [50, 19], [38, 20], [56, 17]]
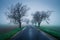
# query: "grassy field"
[[8, 35], [52, 30]]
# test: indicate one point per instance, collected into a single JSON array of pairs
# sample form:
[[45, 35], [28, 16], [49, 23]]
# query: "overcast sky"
[[34, 5]]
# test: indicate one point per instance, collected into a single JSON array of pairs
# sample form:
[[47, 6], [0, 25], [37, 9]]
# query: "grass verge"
[[6, 36], [51, 31]]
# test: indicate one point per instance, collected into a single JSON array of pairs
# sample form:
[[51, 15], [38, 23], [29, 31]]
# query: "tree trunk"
[[38, 24], [19, 24]]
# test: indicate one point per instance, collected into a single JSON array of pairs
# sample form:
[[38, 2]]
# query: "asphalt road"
[[30, 33]]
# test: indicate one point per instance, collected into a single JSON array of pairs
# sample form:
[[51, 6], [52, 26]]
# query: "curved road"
[[30, 33]]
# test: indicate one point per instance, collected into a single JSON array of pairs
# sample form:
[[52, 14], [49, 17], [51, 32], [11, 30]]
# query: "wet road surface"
[[30, 33]]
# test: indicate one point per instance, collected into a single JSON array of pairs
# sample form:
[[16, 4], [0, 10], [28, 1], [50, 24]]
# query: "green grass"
[[52, 30], [6, 36]]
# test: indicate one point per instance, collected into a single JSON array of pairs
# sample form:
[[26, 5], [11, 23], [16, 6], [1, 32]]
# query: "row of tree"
[[38, 17], [18, 11]]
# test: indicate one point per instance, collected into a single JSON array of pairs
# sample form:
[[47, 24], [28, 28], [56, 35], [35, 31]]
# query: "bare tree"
[[40, 16], [33, 22], [17, 12], [26, 20]]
